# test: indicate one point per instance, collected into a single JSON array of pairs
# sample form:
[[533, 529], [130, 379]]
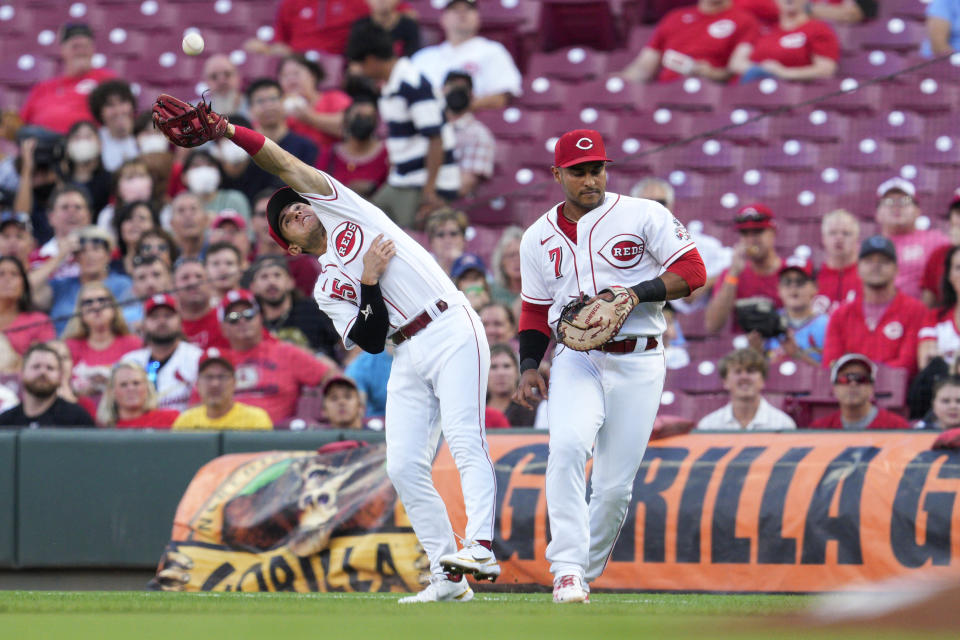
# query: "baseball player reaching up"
[[378, 282], [593, 266]]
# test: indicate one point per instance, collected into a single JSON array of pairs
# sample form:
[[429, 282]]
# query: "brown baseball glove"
[[588, 323], [186, 125]]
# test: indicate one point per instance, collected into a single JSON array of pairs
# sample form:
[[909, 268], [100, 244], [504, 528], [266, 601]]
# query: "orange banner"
[[746, 512]]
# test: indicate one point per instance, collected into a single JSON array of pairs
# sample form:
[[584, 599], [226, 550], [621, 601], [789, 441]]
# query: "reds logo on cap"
[[584, 143], [348, 239], [623, 251], [577, 146]]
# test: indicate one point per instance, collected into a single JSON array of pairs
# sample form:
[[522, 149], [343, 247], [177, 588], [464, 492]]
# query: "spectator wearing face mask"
[[360, 161], [113, 107], [266, 109], [132, 182], [475, 146], [83, 165], [203, 177]]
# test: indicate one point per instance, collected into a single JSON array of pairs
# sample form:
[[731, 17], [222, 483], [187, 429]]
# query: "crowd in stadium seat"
[[827, 218]]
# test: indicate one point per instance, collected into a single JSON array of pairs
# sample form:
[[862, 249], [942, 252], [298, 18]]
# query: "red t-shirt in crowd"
[[883, 420], [494, 419], [60, 102], [838, 285], [83, 353], [29, 328], [331, 101], [707, 37], [370, 171], [321, 25], [205, 331], [270, 375], [892, 342], [156, 419], [796, 47], [752, 285], [933, 271]]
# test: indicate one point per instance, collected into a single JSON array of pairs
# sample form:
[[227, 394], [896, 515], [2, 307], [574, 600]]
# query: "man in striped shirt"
[[423, 171]]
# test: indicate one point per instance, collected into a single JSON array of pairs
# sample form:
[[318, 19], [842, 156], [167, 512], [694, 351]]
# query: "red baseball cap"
[[579, 145], [159, 300], [754, 216], [953, 202], [229, 215], [796, 263], [233, 297], [213, 354]]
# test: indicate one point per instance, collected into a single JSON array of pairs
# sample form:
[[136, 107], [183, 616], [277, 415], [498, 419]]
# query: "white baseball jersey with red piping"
[[600, 401], [438, 379]]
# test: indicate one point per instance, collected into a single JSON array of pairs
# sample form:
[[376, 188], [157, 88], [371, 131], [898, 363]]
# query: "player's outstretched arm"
[[275, 160]]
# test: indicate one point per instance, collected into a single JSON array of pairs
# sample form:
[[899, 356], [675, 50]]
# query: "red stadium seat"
[[854, 99], [26, 70], [711, 156], [895, 126], [690, 94], [734, 126], [924, 94], [867, 153], [661, 125], [541, 92], [514, 123], [766, 95], [894, 34], [871, 64], [611, 94], [574, 64], [588, 23], [792, 155], [814, 124]]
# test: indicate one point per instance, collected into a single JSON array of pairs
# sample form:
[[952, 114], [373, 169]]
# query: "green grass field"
[[176, 616]]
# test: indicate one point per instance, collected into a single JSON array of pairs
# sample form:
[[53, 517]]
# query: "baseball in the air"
[[193, 44]]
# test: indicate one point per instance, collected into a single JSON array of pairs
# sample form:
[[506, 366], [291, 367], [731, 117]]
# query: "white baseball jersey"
[[411, 283], [176, 378], [624, 241]]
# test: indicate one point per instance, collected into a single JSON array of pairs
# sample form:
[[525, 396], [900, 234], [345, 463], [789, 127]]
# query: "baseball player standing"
[[378, 282], [604, 399]]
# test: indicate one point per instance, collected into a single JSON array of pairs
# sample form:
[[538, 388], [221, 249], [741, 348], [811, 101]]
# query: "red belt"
[[626, 346], [416, 325]]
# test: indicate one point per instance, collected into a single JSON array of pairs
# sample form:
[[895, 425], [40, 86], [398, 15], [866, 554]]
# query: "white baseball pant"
[[607, 402], [438, 383]]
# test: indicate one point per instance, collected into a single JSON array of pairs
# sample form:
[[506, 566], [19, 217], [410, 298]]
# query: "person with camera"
[[38, 178], [797, 331], [744, 373], [753, 276], [882, 322]]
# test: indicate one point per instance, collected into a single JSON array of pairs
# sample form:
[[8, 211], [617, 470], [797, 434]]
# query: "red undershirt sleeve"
[[690, 267]]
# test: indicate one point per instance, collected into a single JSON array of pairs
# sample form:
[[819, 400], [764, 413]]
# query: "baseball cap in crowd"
[[878, 244], [233, 297], [280, 198], [852, 357], [467, 262], [73, 29], [896, 184], [953, 203], [14, 217], [213, 354], [754, 216], [798, 264], [159, 300], [229, 215], [471, 3], [579, 145], [344, 380], [267, 261]]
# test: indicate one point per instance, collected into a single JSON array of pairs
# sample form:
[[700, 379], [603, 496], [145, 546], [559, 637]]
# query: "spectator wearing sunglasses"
[[754, 268], [269, 372], [216, 384], [170, 361], [157, 242], [91, 247], [897, 213], [446, 231], [97, 336], [716, 257], [853, 376]]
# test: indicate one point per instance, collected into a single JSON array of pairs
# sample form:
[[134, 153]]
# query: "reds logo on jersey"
[[347, 240], [623, 251]]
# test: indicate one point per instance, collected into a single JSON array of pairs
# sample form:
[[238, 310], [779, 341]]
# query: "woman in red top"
[[502, 382], [130, 401], [97, 337], [798, 48], [313, 114], [20, 324]]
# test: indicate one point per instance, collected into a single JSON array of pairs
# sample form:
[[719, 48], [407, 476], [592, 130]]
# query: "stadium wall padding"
[[8, 484]]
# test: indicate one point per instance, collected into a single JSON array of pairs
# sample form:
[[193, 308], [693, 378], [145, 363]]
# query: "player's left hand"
[[376, 259]]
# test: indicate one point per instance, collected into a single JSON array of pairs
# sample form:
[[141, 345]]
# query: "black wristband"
[[533, 344], [651, 290]]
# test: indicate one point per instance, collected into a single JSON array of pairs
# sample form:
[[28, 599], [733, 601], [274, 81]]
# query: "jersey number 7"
[[556, 257]]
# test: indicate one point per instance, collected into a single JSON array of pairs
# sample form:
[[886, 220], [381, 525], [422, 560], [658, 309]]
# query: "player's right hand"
[[376, 259], [531, 389]]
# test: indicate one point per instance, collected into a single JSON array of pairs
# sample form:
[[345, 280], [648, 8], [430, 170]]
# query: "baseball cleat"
[[475, 560], [569, 588], [441, 589]]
